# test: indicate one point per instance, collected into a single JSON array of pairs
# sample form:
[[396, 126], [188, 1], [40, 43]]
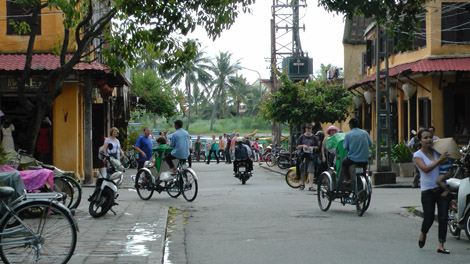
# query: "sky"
[[249, 38]]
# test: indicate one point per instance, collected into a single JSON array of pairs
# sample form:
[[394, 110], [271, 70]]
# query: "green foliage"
[[400, 153], [130, 139], [397, 16], [155, 96], [296, 104]]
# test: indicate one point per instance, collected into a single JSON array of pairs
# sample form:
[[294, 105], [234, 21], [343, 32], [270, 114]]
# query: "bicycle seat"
[[6, 192]]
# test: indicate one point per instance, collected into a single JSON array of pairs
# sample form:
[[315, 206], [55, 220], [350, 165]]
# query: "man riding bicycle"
[[357, 142], [180, 144]]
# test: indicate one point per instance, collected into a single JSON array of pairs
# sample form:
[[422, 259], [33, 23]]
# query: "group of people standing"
[[223, 148]]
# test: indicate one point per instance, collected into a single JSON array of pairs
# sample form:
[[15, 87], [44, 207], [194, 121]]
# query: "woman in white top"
[[113, 133], [427, 160]]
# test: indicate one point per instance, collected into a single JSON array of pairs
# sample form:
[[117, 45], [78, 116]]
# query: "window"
[[19, 13], [364, 64], [455, 19], [424, 112]]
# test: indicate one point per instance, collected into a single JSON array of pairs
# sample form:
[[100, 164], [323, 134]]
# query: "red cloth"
[[44, 142]]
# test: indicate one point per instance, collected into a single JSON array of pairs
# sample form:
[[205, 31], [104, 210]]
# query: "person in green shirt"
[[197, 148], [213, 149]]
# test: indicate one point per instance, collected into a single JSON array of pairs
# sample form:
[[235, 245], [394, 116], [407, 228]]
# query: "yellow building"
[[92, 98], [431, 80]]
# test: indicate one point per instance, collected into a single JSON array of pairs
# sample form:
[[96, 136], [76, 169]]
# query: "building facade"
[[429, 82], [92, 99]]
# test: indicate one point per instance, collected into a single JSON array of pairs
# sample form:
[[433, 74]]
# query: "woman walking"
[[427, 160]]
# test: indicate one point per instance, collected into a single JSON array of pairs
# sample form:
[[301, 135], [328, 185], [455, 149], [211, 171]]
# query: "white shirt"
[[427, 180]]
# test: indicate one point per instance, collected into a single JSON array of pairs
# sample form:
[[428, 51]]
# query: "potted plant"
[[401, 155]]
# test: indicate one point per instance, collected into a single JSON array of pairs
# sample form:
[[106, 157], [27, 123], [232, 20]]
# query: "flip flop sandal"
[[302, 187], [311, 189]]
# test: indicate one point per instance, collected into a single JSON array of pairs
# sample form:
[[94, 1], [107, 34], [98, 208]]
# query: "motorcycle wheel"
[[99, 207], [453, 228], [467, 224], [292, 180], [283, 163], [324, 193], [143, 185], [270, 160]]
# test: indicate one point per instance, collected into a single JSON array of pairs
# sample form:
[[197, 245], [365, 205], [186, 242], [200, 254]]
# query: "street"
[[264, 221]]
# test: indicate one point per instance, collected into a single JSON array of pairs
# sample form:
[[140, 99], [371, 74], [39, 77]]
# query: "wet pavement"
[[136, 234]]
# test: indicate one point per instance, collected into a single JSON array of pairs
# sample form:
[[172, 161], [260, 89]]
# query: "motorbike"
[[459, 186], [284, 159], [242, 172], [106, 189]]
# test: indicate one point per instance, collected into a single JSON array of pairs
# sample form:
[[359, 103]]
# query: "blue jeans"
[[429, 199]]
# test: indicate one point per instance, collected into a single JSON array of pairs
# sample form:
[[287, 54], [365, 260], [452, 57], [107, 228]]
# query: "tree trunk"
[[213, 114], [188, 89]]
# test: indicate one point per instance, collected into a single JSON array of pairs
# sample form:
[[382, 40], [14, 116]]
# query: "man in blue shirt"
[[180, 144], [357, 142], [144, 147]]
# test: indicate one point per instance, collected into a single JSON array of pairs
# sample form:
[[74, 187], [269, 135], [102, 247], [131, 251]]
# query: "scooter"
[[106, 190], [242, 172], [459, 186]]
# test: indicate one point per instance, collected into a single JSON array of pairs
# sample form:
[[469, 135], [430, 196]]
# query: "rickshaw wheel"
[[324, 193], [292, 180], [362, 199]]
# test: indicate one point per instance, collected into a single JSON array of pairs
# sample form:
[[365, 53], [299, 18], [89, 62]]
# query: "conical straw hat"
[[447, 144]]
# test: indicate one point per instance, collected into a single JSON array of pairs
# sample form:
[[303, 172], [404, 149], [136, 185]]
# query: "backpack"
[[241, 153]]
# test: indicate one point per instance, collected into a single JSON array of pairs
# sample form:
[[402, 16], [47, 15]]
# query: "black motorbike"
[[242, 172], [286, 160]]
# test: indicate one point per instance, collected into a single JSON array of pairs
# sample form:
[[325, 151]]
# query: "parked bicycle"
[[36, 228], [63, 181], [130, 159]]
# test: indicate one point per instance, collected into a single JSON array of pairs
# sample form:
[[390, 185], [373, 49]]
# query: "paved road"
[[265, 221]]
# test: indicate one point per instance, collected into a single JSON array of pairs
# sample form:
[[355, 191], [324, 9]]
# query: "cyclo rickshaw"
[[156, 176], [331, 186]]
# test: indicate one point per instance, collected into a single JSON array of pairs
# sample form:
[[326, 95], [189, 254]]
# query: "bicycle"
[[63, 183], [36, 228], [130, 159], [184, 182]]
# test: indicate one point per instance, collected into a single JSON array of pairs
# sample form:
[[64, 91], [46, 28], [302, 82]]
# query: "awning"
[[48, 62], [426, 65]]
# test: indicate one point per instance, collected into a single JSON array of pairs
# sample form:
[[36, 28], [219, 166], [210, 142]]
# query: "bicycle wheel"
[[174, 190], [362, 197], [53, 239], [189, 186], [324, 193], [270, 160], [292, 180], [144, 185], [63, 186], [77, 191], [133, 163]]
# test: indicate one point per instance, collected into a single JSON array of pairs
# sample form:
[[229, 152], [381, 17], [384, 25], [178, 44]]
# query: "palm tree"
[[239, 92], [255, 98], [224, 73], [194, 73]]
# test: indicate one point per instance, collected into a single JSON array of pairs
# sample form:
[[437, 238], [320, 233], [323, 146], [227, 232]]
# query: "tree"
[[155, 96], [397, 16], [194, 72], [123, 27], [238, 92], [295, 104], [224, 73]]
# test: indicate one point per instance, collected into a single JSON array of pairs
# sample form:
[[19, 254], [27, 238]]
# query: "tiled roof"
[[426, 65], [45, 61]]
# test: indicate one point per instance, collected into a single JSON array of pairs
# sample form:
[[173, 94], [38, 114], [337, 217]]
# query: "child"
[[445, 172]]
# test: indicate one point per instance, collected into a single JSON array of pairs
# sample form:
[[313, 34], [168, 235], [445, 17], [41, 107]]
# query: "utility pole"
[[383, 129], [285, 43]]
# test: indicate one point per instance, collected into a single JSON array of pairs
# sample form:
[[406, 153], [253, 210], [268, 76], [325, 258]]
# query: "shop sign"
[[10, 84]]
